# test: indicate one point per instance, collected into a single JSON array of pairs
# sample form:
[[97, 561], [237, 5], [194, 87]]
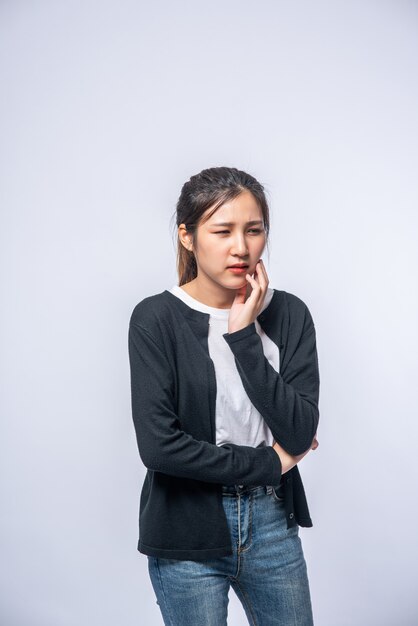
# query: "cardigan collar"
[[201, 320]]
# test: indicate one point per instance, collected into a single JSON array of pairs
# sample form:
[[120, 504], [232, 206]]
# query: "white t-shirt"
[[237, 419]]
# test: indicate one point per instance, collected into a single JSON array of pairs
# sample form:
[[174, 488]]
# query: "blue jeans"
[[267, 569]]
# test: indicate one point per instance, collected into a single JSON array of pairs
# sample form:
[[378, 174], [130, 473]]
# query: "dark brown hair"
[[212, 187]]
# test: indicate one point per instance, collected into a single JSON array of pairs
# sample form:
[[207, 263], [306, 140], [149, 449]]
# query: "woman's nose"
[[240, 247]]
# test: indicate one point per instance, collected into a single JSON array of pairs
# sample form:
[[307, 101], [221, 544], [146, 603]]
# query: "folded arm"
[[288, 401], [164, 447]]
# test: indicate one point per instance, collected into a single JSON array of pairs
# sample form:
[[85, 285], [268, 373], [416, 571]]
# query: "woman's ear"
[[185, 237]]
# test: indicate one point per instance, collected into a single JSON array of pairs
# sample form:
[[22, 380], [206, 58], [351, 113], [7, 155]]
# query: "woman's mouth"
[[239, 270]]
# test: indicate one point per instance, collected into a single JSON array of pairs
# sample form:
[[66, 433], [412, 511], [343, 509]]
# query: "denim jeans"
[[267, 569]]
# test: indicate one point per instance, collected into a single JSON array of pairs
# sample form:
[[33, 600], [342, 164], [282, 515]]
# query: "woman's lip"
[[238, 270]]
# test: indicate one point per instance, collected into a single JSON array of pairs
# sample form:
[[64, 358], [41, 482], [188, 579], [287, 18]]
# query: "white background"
[[107, 109]]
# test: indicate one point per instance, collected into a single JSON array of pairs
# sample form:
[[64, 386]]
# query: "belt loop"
[[269, 489]]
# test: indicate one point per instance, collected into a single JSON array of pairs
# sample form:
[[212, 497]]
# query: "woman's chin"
[[238, 283]]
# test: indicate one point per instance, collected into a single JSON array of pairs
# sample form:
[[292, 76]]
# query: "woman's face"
[[234, 234]]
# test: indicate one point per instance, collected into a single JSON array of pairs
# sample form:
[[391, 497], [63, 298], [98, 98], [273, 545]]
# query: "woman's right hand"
[[289, 460]]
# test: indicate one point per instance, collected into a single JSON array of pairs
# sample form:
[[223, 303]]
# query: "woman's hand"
[[289, 460], [243, 312]]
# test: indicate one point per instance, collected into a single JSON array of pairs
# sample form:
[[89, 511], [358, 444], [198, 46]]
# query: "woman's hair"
[[212, 187]]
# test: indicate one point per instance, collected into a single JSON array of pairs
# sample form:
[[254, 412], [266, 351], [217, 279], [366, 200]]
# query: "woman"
[[225, 390]]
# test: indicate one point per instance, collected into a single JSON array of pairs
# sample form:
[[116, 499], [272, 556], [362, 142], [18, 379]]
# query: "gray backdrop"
[[107, 109]]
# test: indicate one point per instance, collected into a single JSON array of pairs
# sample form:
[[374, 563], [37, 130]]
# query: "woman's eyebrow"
[[232, 223]]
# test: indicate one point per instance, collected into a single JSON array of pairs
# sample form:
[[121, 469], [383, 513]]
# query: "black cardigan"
[[173, 393]]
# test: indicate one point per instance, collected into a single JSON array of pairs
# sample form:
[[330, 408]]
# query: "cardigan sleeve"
[[288, 401], [164, 447]]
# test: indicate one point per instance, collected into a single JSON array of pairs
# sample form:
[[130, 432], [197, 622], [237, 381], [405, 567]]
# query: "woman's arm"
[[289, 461], [288, 401], [164, 447]]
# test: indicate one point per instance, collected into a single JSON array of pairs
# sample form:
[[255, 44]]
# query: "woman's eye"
[[222, 232]]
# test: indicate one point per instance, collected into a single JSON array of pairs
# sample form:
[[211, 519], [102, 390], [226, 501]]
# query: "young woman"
[[225, 390]]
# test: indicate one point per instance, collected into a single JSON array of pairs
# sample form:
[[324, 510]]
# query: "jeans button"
[[291, 515]]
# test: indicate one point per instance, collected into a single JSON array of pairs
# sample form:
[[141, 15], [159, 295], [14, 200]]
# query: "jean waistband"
[[244, 489]]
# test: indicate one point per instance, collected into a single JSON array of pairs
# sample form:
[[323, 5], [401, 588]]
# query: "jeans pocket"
[[277, 494]]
